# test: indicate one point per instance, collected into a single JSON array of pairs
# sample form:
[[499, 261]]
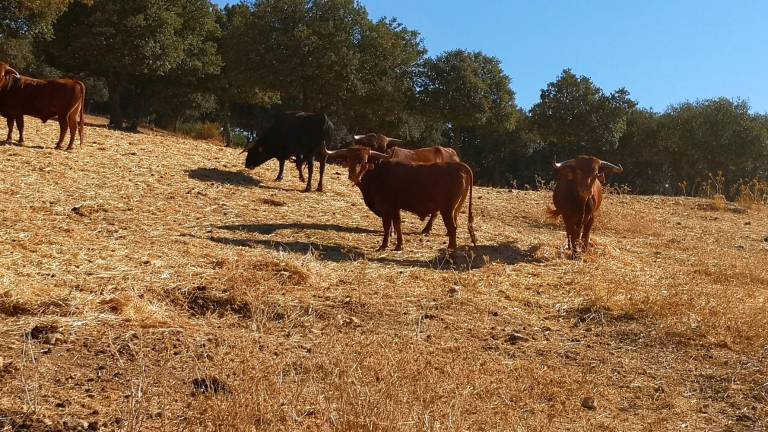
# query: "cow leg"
[[20, 125], [300, 169], [281, 162], [450, 225], [63, 125], [428, 228], [72, 120], [398, 231], [9, 120], [387, 222], [322, 173], [310, 168], [585, 234]]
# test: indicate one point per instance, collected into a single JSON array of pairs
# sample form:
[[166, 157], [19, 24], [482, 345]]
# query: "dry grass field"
[[150, 282]]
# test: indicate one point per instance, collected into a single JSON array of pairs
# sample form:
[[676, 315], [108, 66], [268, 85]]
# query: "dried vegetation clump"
[[149, 282]]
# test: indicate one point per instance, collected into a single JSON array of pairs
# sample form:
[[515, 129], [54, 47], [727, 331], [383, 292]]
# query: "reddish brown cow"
[[426, 155], [578, 194], [377, 142], [44, 99], [390, 186]]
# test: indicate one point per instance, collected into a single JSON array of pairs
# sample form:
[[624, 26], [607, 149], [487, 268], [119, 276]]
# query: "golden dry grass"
[[141, 262]]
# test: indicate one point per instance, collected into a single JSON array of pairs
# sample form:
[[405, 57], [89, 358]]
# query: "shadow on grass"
[[215, 175], [463, 259], [273, 228]]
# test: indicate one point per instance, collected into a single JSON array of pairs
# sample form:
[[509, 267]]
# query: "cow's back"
[[43, 99], [427, 155], [297, 133], [418, 188]]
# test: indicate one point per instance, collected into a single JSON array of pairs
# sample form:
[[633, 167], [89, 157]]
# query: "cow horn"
[[556, 165], [377, 155], [334, 153], [357, 137], [10, 69], [607, 166], [394, 141]]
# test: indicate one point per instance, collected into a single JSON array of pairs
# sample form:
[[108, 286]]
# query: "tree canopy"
[[166, 62]]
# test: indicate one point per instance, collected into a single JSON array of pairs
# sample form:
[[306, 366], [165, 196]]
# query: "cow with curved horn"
[[389, 186], [577, 196], [377, 142], [44, 99]]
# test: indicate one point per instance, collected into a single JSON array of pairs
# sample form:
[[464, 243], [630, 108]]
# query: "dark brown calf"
[[577, 196], [44, 99], [390, 186]]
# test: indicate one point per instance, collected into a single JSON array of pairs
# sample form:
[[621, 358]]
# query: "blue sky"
[[662, 51]]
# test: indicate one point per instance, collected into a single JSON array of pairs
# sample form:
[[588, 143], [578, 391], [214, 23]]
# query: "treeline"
[[174, 62]]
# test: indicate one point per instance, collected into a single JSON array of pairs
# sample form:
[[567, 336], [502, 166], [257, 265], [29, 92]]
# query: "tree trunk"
[[115, 110], [227, 130]]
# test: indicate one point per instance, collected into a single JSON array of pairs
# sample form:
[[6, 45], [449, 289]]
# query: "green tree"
[[305, 50], [21, 23], [123, 40], [468, 99], [710, 136], [574, 116], [465, 88], [389, 55]]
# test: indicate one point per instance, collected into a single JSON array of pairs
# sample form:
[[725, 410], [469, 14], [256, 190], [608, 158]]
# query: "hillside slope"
[[149, 282]]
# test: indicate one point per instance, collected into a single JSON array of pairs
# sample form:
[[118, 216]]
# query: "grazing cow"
[[390, 186], [295, 134], [425, 155], [376, 142], [578, 194], [44, 99]]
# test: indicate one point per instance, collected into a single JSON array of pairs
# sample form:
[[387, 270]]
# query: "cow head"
[[583, 172], [357, 159], [376, 141], [7, 73], [257, 154]]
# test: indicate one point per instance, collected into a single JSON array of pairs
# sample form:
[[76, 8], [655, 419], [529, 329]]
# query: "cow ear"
[[371, 166]]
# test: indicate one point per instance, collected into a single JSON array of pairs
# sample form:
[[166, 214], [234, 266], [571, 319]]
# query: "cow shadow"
[[463, 259], [268, 229], [333, 253], [26, 146], [215, 175]]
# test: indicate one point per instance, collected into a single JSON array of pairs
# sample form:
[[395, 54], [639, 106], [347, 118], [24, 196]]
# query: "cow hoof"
[[381, 249], [279, 179], [398, 248], [319, 189]]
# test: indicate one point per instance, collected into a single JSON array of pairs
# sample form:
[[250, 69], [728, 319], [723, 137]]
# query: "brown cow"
[[578, 194], [44, 99], [376, 142], [427, 155], [390, 186]]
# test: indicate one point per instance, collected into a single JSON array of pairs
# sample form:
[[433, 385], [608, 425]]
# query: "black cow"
[[295, 134]]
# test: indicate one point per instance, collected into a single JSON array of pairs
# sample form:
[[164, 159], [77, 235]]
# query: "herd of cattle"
[[424, 181]]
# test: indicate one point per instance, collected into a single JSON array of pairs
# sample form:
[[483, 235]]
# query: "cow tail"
[[470, 217], [81, 124], [327, 131]]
